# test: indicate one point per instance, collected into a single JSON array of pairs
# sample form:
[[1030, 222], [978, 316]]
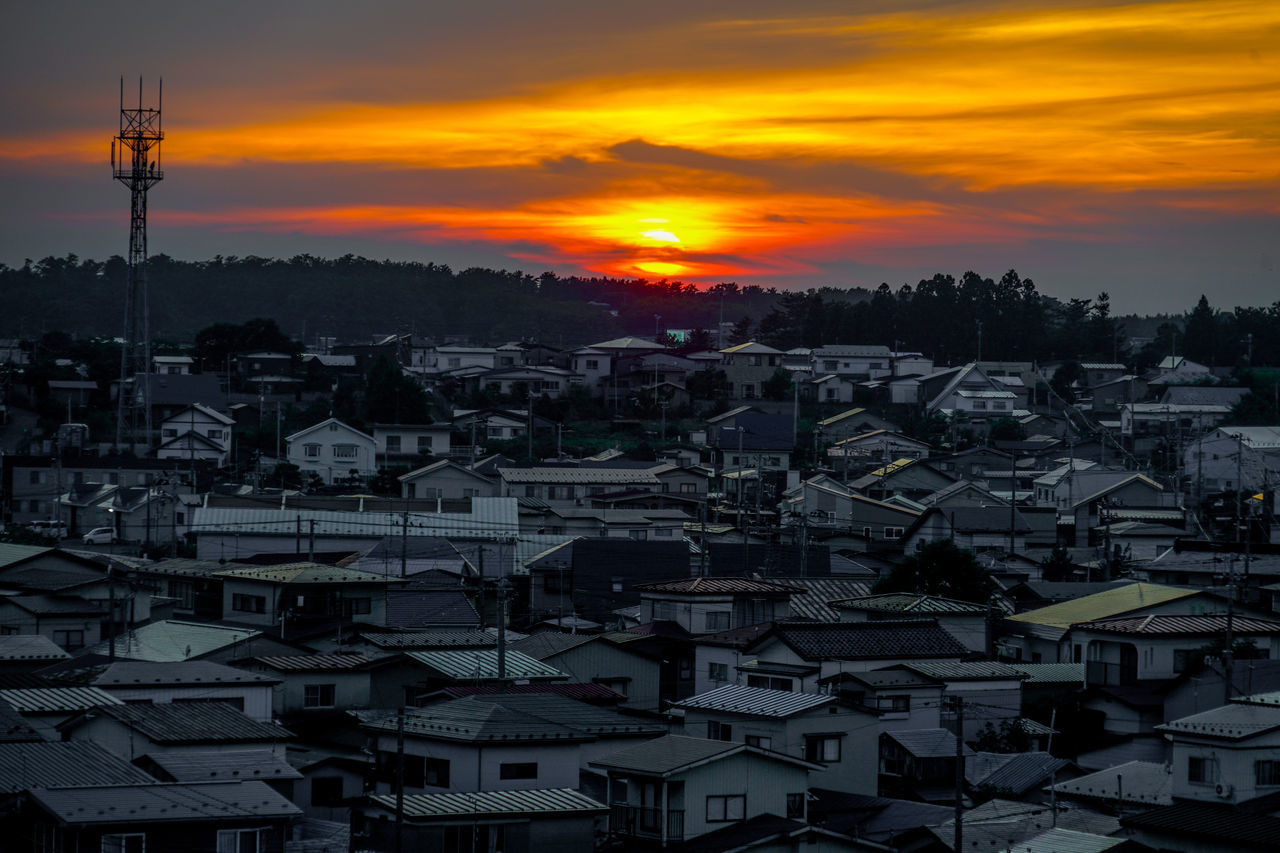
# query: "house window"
[[344, 451], [769, 682], [726, 808], [1201, 770], [311, 451], [664, 610], [718, 671], [1181, 658], [638, 535], [168, 433], [717, 730], [356, 606], [215, 434], [133, 842], [318, 695], [424, 444], [718, 620], [326, 790], [687, 488], [518, 770], [1266, 772], [898, 704], [893, 533], [759, 741], [393, 444], [469, 839], [436, 772], [822, 749], [69, 640], [795, 806], [866, 533], [242, 840], [593, 364], [530, 491], [248, 603], [979, 404]]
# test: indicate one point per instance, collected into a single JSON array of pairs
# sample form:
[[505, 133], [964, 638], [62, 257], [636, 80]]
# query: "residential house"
[[31, 486], [798, 655], [964, 620], [878, 445], [903, 698], [974, 528], [316, 682], [1147, 423], [1108, 397], [709, 605], [524, 821], [920, 763], [847, 424], [1177, 370], [400, 444], [498, 424], [134, 730], [169, 394], [1230, 754], [69, 621], [185, 682], [748, 367], [1095, 373], [820, 728], [197, 432], [608, 659], [1233, 457], [332, 451], [303, 594], [990, 691], [863, 362], [561, 485], [595, 366], [526, 381], [679, 788], [446, 480], [172, 365], [46, 706], [910, 478]]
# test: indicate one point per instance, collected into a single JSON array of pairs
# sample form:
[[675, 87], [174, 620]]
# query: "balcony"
[[1111, 674], [646, 822]]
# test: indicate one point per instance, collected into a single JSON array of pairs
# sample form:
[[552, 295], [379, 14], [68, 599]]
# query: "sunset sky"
[[1126, 147]]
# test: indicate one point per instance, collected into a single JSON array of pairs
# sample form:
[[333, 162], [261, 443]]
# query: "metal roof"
[[155, 673], [17, 647], [198, 722], [52, 700], [10, 553], [906, 602], [1059, 840], [1100, 605], [314, 663], [927, 743], [673, 753], [965, 670], [1019, 773], [219, 765], [174, 801], [466, 664], [488, 517], [1236, 721], [58, 763], [1051, 673], [472, 720], [718, 586], [1133, 781], [1224, 825], [487, 803], [755, 701], [579, 476], [811, 597], [309, 573], [175, 640], [888, 639], [430, 639], [1173, 624]]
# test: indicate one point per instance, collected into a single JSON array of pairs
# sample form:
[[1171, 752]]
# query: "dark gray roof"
[[545, 644], [35, 647], [927, 743], [492, 803], [524, 716], [982, 670], [670, 754], [14, 727], [55, 605], [574, 714], [422, 640], [154, 673], [813, 596], [1226, 826], [217, 765], [421, 608], [755, 701], [201, 722], [814, 641], [175, 801], [59, 763], [1017, 774]]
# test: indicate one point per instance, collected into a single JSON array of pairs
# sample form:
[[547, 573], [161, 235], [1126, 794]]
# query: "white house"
[[332, 451], [400, 443], [197, 432], [867, 362], [1227, 755], [1230, 456]]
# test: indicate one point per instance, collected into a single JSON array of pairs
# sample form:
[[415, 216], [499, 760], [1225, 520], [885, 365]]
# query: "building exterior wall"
[[478, 768], [256, 698]]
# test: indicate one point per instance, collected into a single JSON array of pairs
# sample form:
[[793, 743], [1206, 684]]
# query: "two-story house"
[[197, 432], [749, 367], [332, 451], [712, 605]]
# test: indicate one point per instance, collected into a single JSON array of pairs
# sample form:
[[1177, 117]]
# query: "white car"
[[99, 536]]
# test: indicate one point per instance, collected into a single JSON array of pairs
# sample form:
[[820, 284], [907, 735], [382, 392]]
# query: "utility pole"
[[400, 780], [1228, 656], [311, 546], [958, 704], [1239, 480], [502, 631], [404, 544]]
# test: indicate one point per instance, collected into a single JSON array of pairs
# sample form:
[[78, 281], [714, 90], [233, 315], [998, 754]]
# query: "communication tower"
[[135, 162]]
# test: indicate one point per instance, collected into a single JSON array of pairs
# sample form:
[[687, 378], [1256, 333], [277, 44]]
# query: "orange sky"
[[725, 143]]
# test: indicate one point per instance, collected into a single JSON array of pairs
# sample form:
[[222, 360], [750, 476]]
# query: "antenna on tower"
[[136, 166]]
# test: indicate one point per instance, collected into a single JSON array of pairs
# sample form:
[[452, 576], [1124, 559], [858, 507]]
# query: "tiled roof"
[[755, 701], [489, 803], [467, 664], [1145, 782], [221, 765], [1236, 721], [718, 586], [1221, 824], [175, 640], [1101, 605], [1173, 625], [812, 597], [177, 801], [927, 743], [35, 647], [906, 602], [59, 763], [200, 722], [863, 640], [965, 670], [314, 663], [52, 700], [153, 673]]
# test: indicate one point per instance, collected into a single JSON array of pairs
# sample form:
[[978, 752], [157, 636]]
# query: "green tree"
[[1200, 337], [390, 397], [1006, 429], [939, 568], [777, 386]]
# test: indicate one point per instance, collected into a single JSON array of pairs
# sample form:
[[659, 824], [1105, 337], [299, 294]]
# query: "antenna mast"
[[135, 162]]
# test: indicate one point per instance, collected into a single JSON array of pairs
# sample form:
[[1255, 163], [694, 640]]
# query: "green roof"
[[1100, 605]]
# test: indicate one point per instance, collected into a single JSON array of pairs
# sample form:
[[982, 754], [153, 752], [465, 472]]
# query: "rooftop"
[[906, 602], [867, 640], [179, 801], [304, 573], [58, 763], [718, 586], [175, 640], [667, 755], [1101, 605], [755, 701], [927, 743], [467, 664], [220, 765], [492, 803], [1237, 721], [199, 722]]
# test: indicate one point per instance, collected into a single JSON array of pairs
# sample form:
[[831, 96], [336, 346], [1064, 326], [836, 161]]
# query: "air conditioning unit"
[[1224, 790]]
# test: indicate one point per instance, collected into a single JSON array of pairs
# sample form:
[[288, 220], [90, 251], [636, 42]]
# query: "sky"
[[1131, 148]]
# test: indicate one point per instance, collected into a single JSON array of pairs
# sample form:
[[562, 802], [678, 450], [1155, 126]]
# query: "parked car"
[[56, 529], [100, 536]]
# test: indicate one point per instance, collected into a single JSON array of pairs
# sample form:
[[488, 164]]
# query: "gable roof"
[[907, 602], [487, 804], [155, 673], [1100, 605], [866, 640], [927, 743], [305, 573], [471, 720], [666, 756], [30, 647], [719, 586], [56, 700], [1222, 824], [222, 765], [1237, 721], [443, 465], [199, 722], [324, 423], [1146, 782], [465, 664], [175, 640], [49, 764], [163, 801], [755, 701]]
